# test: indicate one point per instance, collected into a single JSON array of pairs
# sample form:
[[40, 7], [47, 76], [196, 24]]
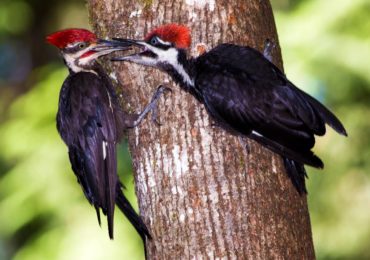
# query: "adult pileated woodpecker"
[[91, 122], [245, 92]]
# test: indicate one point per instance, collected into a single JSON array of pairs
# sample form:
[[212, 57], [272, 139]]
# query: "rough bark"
[[202, 194]]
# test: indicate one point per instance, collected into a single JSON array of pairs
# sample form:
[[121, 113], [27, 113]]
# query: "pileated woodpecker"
[[243, 91], [91, 122]]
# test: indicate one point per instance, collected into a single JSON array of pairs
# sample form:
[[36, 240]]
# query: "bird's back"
[[86, 123], [247, 93]]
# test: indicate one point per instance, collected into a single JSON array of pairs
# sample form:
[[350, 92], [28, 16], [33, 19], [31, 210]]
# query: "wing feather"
[[87, 125], [246, 92]]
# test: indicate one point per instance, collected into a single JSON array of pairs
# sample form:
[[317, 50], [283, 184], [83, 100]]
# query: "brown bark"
[[203, 195]]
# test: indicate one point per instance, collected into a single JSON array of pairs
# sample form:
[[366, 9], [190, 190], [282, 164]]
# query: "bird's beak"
[[105, 45], [129, 42], [146, 50]]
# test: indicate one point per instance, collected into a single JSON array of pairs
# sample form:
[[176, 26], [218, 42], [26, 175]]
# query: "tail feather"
[[293, 160], [326, 114], [297, 174], [97, 209], [126, 208], [110, 164], [307, 157]]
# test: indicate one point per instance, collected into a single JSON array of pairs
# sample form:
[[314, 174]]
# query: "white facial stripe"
[[72, 45], [71, 62], [170, 56], [163, 42], [76, 64], [71, 59]]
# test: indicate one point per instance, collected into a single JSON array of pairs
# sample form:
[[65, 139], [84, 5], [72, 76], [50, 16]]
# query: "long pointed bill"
[[104, 45], [101, 48], [129, 42], [145, 56]]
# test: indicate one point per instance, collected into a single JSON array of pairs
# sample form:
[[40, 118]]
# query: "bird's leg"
[[155, 115], [152, 106], [267, 51]]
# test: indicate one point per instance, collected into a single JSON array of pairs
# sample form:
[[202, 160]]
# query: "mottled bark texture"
[[202, 194]]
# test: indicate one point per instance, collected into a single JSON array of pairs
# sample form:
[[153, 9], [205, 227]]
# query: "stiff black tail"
[[325, 113], [126, 208], [293, 160], [304, 157], [297, 174]]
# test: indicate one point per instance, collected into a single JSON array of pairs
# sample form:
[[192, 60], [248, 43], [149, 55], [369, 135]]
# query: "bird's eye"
[[82, 45], [154, 41]]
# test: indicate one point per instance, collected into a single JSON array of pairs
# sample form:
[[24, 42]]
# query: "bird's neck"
[[75, 66], [105, 80], [182, 72], [96, 69]]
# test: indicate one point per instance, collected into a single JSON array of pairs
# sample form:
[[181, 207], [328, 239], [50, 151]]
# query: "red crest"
[[175, 33], [62, 38]]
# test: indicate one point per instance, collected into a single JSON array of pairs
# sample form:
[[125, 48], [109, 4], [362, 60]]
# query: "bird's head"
[[80, 48], [160, 48]]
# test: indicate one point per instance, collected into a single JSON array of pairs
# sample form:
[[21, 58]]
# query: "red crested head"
[[63, 38], [175, 33]]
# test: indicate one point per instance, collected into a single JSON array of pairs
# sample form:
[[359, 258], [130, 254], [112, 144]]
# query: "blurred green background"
[[43, 213]]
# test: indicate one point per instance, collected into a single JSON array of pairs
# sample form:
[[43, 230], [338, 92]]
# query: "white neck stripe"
[[170, 56], [180, 69]]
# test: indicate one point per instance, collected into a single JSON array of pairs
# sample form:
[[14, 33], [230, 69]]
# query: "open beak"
[[144, 50]]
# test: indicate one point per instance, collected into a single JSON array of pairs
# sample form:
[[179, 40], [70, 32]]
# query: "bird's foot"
[[152, 106], [268, 49], [160, 90]]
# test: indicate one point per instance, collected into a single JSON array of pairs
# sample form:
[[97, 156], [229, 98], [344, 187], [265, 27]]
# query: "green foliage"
[[15, 16], [325, 47], [44, 214]]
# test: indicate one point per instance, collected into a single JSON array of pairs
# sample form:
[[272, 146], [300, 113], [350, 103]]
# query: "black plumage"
[[91, 122], [242, 82], [244, 92]]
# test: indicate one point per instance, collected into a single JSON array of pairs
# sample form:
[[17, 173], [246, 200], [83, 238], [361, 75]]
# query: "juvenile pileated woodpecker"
[[243, 91], [91, 122]]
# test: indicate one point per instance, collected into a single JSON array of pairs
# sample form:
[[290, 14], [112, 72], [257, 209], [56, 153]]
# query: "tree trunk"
[[202, 193]]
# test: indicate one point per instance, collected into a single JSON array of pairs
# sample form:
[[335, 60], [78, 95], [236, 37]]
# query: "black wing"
[[86, 123], [247, 93]]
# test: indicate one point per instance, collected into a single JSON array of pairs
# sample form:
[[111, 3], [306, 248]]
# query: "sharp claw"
[[269, 44], [156, 121], [160, 90], [167, 89], [155, 116], [163, 89]]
